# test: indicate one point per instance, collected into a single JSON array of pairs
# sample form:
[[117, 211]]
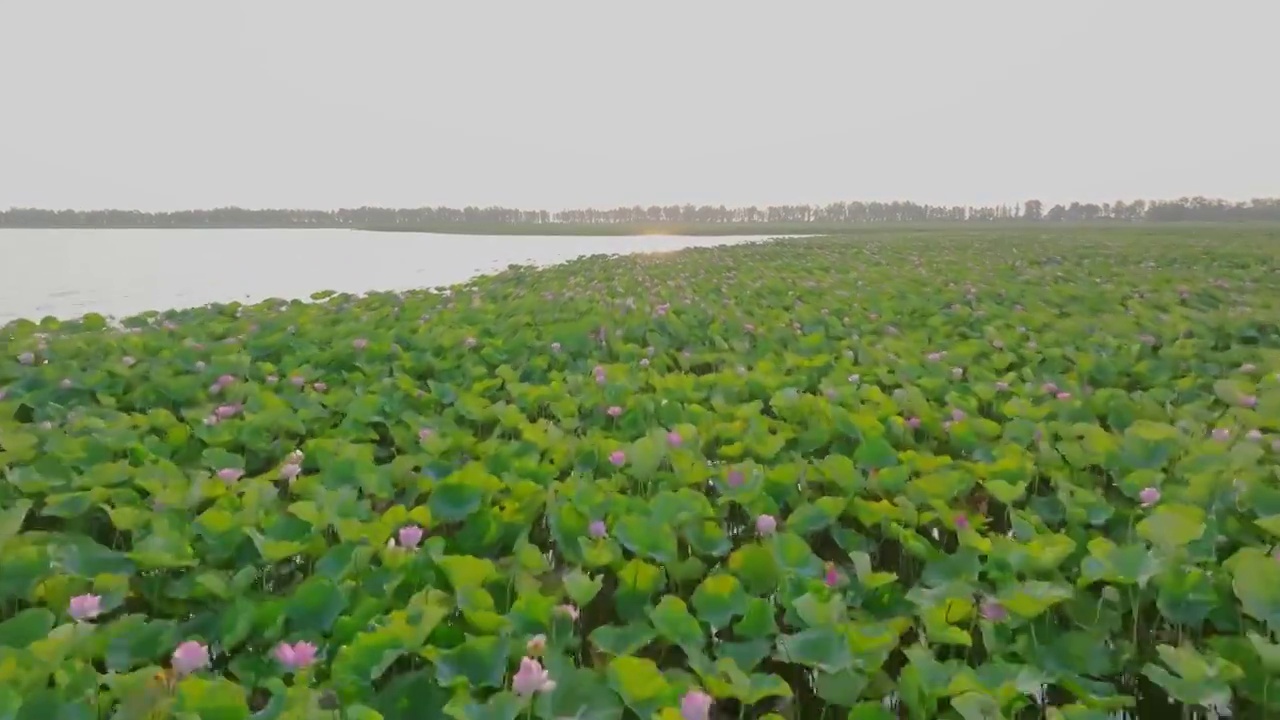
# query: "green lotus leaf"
[[1195, 678], [758, 621], [581, 587], [11, 519], [623, 640], [1256, 582], [640, 684], [842, 688], [1127, 565], [817, 515], [1173, 526], [315, 605], [746, 654], [480, 661], [1187, 597], [1030, 599], [647, 538], [674, 622], [718, 599], [756, 566], [817, 648], [25, 627], [466, 572], [579, 693], [217, 699], [638, 581]]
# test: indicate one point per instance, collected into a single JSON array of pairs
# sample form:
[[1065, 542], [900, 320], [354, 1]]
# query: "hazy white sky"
[[158, 104]]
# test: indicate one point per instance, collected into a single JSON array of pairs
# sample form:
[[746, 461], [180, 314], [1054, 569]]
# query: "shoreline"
[[490, 260], [694, 229]]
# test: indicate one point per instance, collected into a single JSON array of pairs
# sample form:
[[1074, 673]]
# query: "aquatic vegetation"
[[952, 474]]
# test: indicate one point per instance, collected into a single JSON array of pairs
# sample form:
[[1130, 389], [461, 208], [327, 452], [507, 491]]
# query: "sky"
[[158, 105]]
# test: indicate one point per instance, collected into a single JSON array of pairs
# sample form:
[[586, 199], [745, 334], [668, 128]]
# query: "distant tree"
[[836, 213]]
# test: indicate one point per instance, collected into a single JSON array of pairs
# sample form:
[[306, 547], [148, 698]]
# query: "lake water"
[[67, 273]]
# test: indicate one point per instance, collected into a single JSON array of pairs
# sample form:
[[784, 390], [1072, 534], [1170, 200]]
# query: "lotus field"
[[932, 474]]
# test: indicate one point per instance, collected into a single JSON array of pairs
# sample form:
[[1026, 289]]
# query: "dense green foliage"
[[941, 476]]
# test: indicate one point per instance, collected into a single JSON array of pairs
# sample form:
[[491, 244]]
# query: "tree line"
[[1193, 209]]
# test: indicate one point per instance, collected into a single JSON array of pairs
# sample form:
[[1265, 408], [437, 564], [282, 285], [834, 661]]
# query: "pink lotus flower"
[[614, 411], [644, 363], [832, 576], [1221, 434], [27, 358], [957, 414], [1063, 396], [273, 379], [298, 381], [289, 471], [360, 343], [735, 478], [555, 347], [226, 380], [674, 439], [224, 412], [84, 607], [962, 522], [597, 529], [957, 373], [1149, 496], [568, 610], [295, 457], [617, 458], [1248, 368], [230, 475], [766, 525], [296, 656], [913, 422], [531, 678], [425, 433], [409, 536], [1249, 401], [200, 366], [1254, 434], [695, 705], [189, 657], [934, 356], [319, 387], [993, 610], [1002, 386], [211, 420], [536, 645]]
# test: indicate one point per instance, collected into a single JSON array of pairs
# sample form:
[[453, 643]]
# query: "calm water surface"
[[67, 273]]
